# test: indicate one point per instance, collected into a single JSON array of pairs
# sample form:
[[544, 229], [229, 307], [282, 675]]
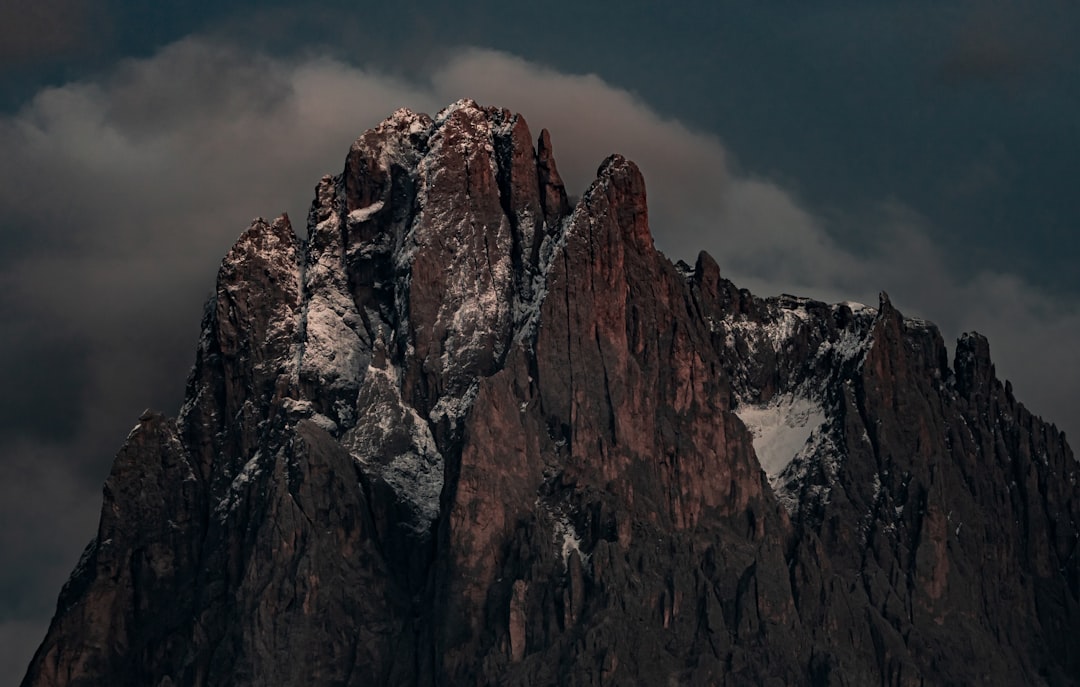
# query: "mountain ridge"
[[464, 432]]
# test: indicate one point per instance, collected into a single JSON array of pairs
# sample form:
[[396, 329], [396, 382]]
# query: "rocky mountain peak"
[[466, 433], [974, 371]]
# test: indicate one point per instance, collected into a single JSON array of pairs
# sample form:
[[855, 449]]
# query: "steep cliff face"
[[466, 434]]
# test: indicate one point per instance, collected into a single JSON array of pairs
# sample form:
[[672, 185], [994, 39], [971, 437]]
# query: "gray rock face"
[[466, 434]]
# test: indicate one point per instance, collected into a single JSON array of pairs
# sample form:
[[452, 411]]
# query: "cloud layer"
[[120, 196]]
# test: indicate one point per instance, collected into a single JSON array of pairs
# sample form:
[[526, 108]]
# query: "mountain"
[[465, 433]]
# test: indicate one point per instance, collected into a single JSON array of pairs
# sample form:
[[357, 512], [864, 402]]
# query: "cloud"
[[120, 195]]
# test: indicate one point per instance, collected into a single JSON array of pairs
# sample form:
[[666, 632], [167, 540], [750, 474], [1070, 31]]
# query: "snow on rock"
[[273, 244], [464, 235], [298, 410], [852, 343], [334, 351], [391, 440], [789, 414], [453, 409], [256, 465], [820, 453], [781, 429], [411, 254], [772, 333], [527, 311], [855, 307]]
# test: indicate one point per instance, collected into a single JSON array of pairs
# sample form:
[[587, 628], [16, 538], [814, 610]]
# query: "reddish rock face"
[[466, 434]]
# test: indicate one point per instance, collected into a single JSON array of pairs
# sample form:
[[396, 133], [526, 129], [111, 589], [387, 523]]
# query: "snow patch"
[[564, 535], [781, 429], [567, 540], [364, 214], [855, 307]]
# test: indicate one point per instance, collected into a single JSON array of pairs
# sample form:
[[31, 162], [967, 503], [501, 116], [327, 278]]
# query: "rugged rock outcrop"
[[466, 434]]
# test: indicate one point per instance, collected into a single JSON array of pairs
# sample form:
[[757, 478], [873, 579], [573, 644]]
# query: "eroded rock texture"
[[466, 434]]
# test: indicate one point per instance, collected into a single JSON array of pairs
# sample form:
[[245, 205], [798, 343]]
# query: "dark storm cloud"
[[44, 407], [29, 588], [128, 189], [47, 514], [36, 29]]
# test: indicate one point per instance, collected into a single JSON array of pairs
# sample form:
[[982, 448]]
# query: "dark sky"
[[830, 149]]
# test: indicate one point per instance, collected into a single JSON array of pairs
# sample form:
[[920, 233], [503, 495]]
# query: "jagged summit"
[[465, 433]]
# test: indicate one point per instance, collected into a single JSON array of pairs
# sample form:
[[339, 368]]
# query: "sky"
[[827, 149]]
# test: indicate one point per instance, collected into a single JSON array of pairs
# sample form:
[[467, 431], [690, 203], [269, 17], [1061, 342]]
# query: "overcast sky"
[[829, 149]]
